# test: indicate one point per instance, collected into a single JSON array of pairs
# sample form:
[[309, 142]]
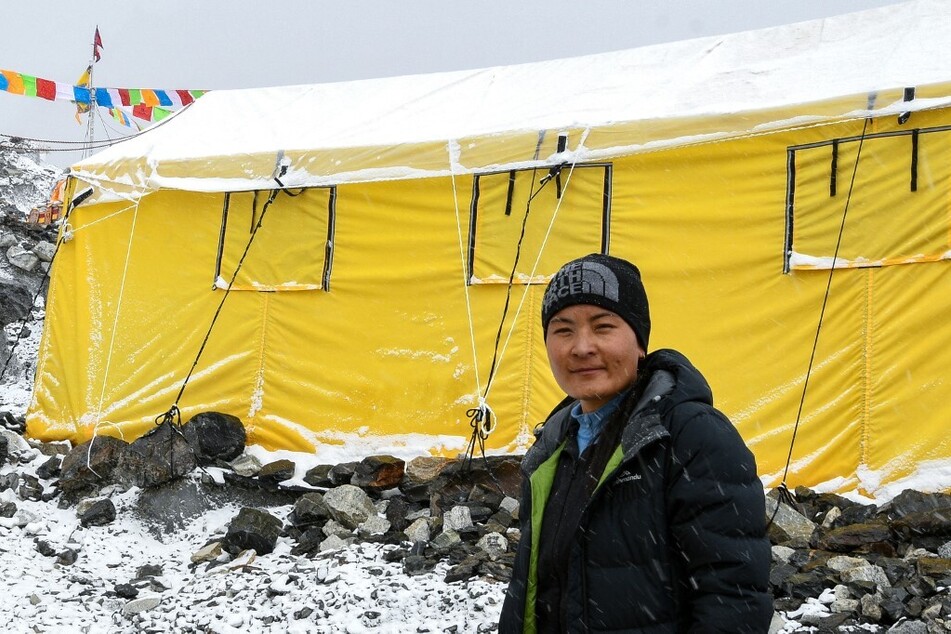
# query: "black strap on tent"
[[914, 160], [785, 495], [834, 167], [908, 95]]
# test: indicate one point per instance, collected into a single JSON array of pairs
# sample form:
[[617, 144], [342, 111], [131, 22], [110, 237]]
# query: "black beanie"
[[600, 280]]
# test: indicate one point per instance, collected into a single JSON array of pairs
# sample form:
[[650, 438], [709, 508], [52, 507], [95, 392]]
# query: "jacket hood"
[[689, 385]]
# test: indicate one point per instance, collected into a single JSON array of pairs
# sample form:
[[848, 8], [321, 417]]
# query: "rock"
[[44, 250], [16, 302], [215, 436], [420, 472], [445, 541], [160, 456], [242, 560], [418, 531], [252, 529], [10, 481], [374, 526], [208, 552], [457, 481], [67, 558], [310, 509], [319, 476], [309, 542], [8, 509], [4, 449], [30, 488], [125, 590], [50, 469], [930, 522], [856, 537], [457, 519], [246, 465], [787, 524], [53, 448], [333, 543], [485, 496], [934, 567], [277, 471], [840, 563], [494, 545], [349, 505], [43, 547], [334, 527], [782, 554], [144, 604], [416, 565], [21, 258], [341, 473], [397, 511], [90, 465], [15, 442], [909, 501], [378, 472], [510, 506], [466, 569], [868, 572], [870, 606], [99, 513]]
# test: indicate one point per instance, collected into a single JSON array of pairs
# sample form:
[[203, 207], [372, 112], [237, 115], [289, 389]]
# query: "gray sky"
[[215, 44]]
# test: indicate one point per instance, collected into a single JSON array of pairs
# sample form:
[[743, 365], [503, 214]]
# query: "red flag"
[[142, 111], [45, 88], [96, 45]]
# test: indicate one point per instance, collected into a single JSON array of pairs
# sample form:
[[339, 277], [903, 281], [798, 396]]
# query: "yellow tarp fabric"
[[398, 346]]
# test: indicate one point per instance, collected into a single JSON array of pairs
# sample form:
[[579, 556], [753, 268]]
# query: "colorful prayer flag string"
[[146, 103]]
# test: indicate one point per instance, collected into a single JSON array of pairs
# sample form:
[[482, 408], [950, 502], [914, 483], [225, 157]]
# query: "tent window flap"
[[898, 204], [566, 212], [293, 248]]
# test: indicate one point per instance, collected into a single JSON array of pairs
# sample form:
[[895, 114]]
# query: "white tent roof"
[[608, 104]]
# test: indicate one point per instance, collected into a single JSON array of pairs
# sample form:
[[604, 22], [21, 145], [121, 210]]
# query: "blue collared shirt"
[[590, 424]]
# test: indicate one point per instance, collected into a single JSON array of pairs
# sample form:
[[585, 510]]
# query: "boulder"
[[160, 456], [277, 471], [90, 465], [309, 510], [99, 513], [349, 505], [378, 472], [215, 436], [252, 529]]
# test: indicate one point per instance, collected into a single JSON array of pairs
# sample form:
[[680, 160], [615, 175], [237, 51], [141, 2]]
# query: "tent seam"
[[866, 414], [259, 378]]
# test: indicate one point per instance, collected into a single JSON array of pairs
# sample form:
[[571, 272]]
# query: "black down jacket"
[[673, 539]]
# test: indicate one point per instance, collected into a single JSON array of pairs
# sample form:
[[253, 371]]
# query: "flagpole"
[[90, 124]]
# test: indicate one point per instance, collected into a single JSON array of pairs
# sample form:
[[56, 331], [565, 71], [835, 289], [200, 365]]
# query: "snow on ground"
[[352, 590]]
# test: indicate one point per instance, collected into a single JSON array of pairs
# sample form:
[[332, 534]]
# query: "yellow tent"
[[373, 307]]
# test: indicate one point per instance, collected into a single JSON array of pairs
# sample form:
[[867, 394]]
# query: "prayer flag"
[[29, 85], [103, 99], [97, 45], [45, 89], [149, 98]]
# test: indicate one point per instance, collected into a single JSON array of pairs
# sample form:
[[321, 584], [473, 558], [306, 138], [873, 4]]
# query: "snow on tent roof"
[[609, 104]]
